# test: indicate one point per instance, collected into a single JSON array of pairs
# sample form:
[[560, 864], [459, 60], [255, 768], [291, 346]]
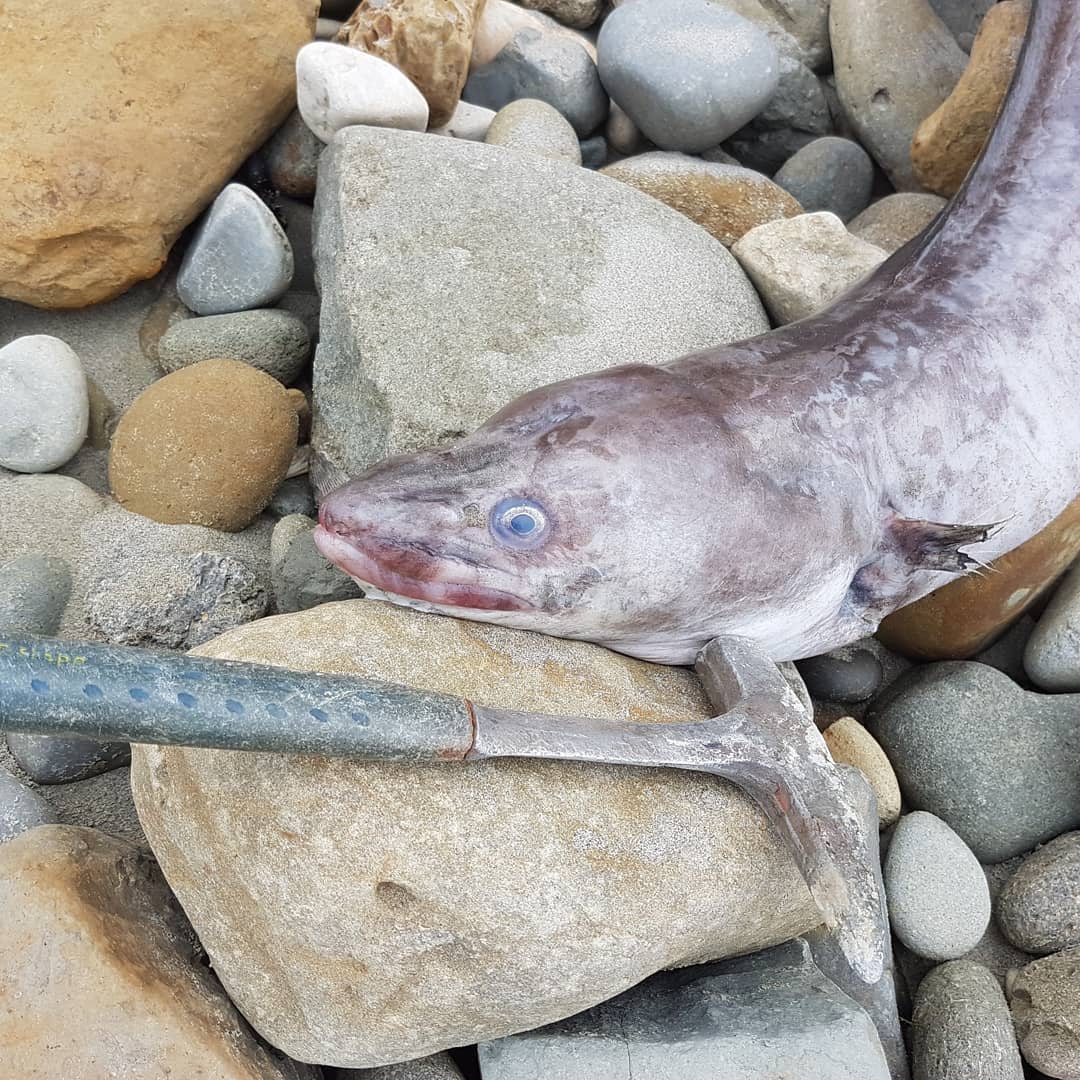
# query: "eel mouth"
[[407, 570]]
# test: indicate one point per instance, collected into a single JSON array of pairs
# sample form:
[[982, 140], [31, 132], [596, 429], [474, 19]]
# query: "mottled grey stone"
[[549, 66], [689, 73], [1045, 1002], [293, 497], [499, 302], [961, 1029], [52, 760], [1052, 654], [997, 763], [829, 174], [755, 1018], [301, 576], [891, 222], [238, 259], [534, 127], [847, 674], [34, 590], [20, 808], [939, 903], [292, 158], [1039, 907], [436, 1067], [268, 339]]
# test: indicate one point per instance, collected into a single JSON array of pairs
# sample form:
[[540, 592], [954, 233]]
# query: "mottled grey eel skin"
[[795, 488]]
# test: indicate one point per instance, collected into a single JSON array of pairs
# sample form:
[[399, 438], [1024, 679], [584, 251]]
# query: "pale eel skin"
[[784, 489]]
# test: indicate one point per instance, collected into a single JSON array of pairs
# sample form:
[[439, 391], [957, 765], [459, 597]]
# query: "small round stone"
[[851, 744], [293, 497], [469, 122], [845, 674], [1039, 907], [292, 157], [939, 902], [337, 86], [891, 222], [829, 174], [238, 259], [594, 152], [689, 73], [1052, 653], [535, 127], [44, 404], [34, 590], [21, 808], [49, 759], [206, 445], [271, 340], [1045, 1002]]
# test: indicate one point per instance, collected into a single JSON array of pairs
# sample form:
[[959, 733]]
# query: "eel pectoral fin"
[[932, 545]]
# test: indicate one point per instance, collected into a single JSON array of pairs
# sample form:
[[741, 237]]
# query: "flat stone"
[[1039, 907], [895, 63], [48, 759], [948, 142], [725, 200], [46, 410], [689, 73], [1045, 1002], [831, 174], [800, 265], [292, 158], [429, 41], [985, 756], [939, 904], [106, 973], [552, 67], [467, 122], [891, 222], [850, 743], [273, 341], [431, 929], [763, 1016], [1052, 653], [595, 275], [433, 1067], [20, 808], [302, 578], [239, 258], [961, 1028], [112, 151], [535, 127], [964, 617]]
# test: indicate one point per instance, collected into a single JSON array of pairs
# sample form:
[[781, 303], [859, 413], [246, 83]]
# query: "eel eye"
[[519, 523]]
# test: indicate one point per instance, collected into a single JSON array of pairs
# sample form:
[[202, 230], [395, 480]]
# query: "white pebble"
[[45, 406], [337, 86], [469, 122]]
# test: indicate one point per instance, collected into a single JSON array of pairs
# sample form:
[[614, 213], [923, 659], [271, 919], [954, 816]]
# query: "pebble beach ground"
[[249, 250]]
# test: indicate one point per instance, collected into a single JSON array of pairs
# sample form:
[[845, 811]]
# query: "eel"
[[795, 488]]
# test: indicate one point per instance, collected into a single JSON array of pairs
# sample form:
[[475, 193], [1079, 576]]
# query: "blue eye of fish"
[[519, 522]]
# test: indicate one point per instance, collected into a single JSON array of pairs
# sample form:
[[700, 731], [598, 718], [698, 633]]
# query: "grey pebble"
[[292, 158], [961, 1028], [302, 578], [939, 903], [594, 152], [891, 222], [1007, 653], [689, 73], [1045, 1002], [436, 1067], [847, 674], [996, 762], [34, 590], [829, 174], [238, 259], [20, 808], [49, 759], [758, 1017], [1039, 907], [1052, 654], [962, 17], [273, 341], [549, 66], [534, 127], [293, 497]]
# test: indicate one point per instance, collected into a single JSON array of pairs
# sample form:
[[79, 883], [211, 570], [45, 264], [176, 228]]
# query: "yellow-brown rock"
[[959, 620], [949, 140], [121, 122], [429, 40], [207, 445], [850, 743], [726, 200], [99, 977]]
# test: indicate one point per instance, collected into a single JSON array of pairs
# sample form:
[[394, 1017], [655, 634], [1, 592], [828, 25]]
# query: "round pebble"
[[337, 85], [294, 496], [206, 445], [273, 341], [851, 744], [535, 127], [48, 759], [1052, 653], [34, 590], [891, 222], [689, 73], [1045, 1002], [238, 259], [845, 674], [939, 902], [45, 408], [470, 122], [292, 158], [21, 808], [1039, 907], [829, 174]]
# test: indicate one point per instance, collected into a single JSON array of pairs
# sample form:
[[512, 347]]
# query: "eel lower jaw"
[[435, 594]]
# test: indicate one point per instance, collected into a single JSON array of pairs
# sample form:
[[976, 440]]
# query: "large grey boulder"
[[364, 913], [456, 276], [769, 1015]]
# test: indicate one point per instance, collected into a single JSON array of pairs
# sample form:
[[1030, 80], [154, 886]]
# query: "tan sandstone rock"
[[429, 40], [365, 913], [121, 123], [891, 222], [726, 200], [99, 974], [850, 743], [949, 140]]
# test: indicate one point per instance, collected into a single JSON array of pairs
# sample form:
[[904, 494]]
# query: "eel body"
[[795, 488]]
